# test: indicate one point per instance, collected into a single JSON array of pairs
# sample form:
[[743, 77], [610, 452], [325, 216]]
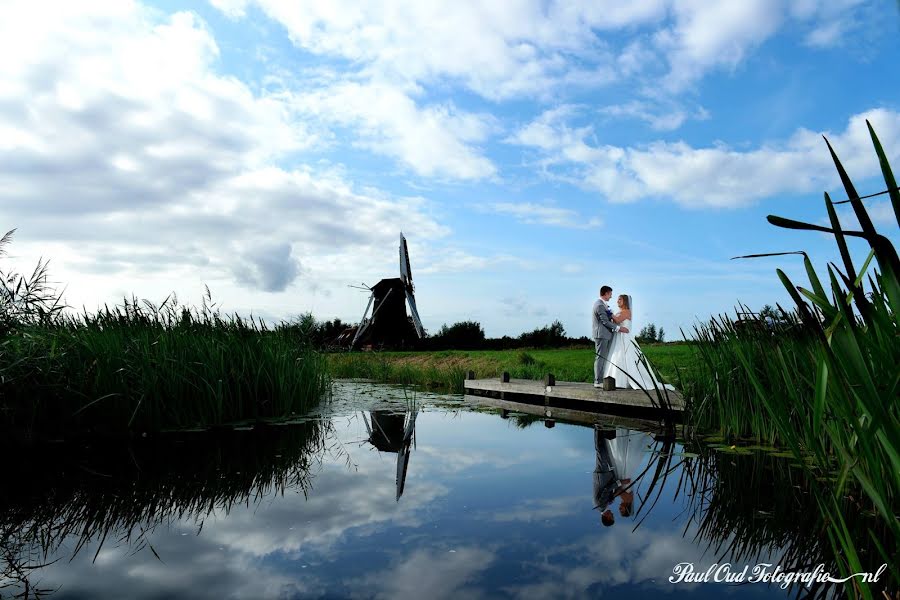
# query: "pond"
[[387, 493]]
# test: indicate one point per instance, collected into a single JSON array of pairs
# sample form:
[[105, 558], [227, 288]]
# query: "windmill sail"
[[405, 270], [363, 324], [406, 277], [417, 321]]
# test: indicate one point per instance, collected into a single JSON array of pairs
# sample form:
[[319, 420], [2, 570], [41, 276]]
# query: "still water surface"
[[386, 495]]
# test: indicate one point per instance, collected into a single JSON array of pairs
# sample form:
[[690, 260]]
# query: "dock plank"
[[581, 394]]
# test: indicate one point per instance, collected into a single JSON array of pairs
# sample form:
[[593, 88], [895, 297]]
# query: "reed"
[[825, 383], [141, 368]]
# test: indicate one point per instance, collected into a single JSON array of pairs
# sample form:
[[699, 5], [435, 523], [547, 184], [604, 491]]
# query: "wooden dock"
[[569, 395], [509, 408]]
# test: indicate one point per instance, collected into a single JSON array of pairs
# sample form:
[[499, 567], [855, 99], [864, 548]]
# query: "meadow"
[[447, 369]]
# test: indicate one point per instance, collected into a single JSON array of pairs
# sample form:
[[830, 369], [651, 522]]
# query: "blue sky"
[[531, 151]]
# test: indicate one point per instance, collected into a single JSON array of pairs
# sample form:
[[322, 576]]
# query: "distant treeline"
[[469, 335]]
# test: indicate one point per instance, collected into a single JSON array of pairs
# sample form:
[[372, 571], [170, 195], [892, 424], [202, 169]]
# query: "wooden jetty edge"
[[571, 395], [551, 414]]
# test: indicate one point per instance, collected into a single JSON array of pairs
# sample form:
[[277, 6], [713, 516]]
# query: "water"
[[454, 504]]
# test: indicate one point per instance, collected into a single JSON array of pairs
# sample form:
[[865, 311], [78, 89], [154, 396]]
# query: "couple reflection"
[[619, 455], [393, 432]]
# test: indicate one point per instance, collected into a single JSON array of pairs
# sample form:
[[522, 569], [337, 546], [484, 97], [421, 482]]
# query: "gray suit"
[[606, 478], [602, 329]]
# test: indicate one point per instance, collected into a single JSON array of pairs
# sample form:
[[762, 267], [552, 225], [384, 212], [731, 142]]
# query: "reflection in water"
[[619, 454], [748, 505], [393, 432], [112, 492], [490, 509], [745, 507]]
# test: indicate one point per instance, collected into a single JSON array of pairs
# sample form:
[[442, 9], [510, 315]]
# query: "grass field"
[[447, 369]]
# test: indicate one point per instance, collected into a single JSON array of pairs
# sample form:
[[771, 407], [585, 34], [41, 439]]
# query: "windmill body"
[[389, 325]]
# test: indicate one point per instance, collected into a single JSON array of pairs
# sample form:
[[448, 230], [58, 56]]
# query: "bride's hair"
[[626, 300]]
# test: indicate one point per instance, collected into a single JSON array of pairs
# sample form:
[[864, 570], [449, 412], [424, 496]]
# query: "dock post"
[[470, 375], [609, 384], [549, 379], [504, 378]]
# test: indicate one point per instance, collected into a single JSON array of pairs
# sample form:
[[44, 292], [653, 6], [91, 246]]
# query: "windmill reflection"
[[394, 432]]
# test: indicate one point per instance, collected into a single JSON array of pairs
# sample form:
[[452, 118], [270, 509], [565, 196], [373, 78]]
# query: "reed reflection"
[[743, 507], [74, 496]]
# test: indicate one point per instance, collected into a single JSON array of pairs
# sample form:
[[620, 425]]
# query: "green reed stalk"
[[825, 383], [138, 367]]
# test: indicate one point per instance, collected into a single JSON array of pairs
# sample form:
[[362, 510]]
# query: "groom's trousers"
[[601, 356]]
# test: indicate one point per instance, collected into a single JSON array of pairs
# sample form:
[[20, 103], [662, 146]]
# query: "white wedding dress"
[[626, 363]]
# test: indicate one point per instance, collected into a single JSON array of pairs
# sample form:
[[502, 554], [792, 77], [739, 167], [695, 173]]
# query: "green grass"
[[447, 369]]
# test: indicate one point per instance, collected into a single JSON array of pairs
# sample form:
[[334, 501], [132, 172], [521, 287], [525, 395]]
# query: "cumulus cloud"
[[269, 267], [434, 140], [530, 48], [704, 36], [715, 176], [132, 154], [498, 51]]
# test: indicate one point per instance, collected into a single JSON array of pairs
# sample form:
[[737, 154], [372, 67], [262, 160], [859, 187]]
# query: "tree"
[[553, 335], [650, 335], [768, 311], [464, 335]]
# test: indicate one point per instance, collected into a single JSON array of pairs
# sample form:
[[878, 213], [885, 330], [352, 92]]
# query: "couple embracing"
[[616, 353]]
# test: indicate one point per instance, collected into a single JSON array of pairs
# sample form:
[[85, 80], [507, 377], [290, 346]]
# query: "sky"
[[530, 151]]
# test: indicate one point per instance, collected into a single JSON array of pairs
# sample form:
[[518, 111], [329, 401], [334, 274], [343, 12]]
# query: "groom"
[[603, 329]]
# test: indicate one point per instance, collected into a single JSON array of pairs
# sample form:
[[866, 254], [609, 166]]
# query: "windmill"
[[389, 324]]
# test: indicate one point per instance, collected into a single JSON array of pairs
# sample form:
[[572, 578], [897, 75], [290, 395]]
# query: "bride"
[[626, 363]]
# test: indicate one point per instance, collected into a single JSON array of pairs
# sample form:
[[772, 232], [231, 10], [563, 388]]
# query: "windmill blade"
[[363, 325], [417, 321], [405, 270]]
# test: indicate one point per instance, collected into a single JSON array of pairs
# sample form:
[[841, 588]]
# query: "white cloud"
[[134, 157], [660, 118], [529, 48], [715, 176], [543, 214], [498, 50], [707, 35], [433, 140], [445, 574], [234, 9], [829, 21]]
